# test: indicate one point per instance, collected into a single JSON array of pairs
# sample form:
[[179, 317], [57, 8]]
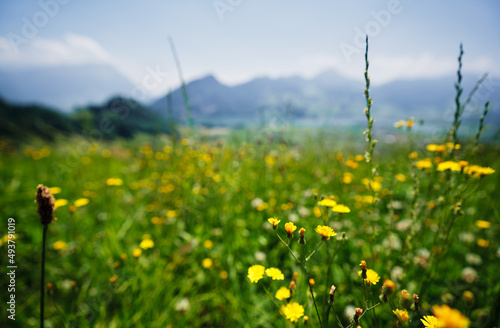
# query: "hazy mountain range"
[[327, 99]]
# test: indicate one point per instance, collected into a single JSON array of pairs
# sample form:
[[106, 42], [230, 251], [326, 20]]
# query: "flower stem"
[[42, 287]]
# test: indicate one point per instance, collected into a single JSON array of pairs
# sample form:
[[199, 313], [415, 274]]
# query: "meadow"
[[253, 228]]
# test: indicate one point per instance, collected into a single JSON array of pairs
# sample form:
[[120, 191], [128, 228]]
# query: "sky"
[[238, 40]]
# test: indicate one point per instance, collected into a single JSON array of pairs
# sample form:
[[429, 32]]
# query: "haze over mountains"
[[327, 99]]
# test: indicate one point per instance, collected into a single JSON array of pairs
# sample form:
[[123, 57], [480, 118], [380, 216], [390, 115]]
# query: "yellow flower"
[[81, 202], [450, 318], [292, 311], [208, 244], [282, 293], [146, 243], [436, 148], [317, 211], [290, 228], [424, 164], [399, 124], [483, 243], [478, 171], [327, 202], [275, 274], [341, 209], [401, 314], [55, 190], [59, 245], [207, 263], [325, 231], [137, 252], [372, 277], [413, 155], [449, 165], [256, 272], [60, 203], [483, 224], [400, 177], [430, 321], [114, 182], [410, 122], [274, 221]]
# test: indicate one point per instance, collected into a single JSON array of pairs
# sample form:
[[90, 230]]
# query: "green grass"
[[202, 189]]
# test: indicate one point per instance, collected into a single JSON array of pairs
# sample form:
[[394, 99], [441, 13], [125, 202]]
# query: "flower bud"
[[405, 300], [302, 239], [468, 298], [331, 300], [363, 270]]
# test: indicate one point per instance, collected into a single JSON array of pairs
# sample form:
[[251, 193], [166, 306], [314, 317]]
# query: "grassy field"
[[162, 232]]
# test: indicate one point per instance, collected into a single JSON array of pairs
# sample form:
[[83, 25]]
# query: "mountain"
[[117, 117], [327, 99], [62, 87]]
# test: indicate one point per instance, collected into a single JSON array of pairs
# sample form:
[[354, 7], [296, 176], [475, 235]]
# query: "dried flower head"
[[45, 202]]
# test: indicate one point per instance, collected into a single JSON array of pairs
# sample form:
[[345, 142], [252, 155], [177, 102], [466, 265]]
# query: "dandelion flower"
[[275, 274], [325, 231], [208, 244], [207, 263], [274, 221], [256, 272], [60, 203], [290, 228], [146, 243], [431, 321], [292, 311], [401, 314], [449, 317], [327, 202], [59, 245], [137, 252], [341, 209], [399, 124], [449, 165], [479, 223], [372, 277], [114, 182], [423, 164], [55, 190], [81, 202], [282, 293]]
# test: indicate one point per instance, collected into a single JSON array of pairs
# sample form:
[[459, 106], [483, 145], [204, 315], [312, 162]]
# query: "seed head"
[[45, 202]]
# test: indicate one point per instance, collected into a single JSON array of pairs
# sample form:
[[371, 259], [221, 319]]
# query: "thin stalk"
[[289, 249], [481, 127], [42, 287]]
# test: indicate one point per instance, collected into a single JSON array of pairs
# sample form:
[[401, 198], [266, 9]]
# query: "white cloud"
[[386, 69], [73, 49]]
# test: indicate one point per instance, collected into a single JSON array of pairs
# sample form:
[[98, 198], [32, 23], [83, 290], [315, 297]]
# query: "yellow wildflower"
[[137, 252], [325, 231], [81, 202], [282, 293], [60, 203], [449, 317], [399, 124], [255, 273], [327, 202], [372, 277], [483, 243], [274, 221], [146, 243], [483, 224], [59, 245], [208, 244], [413, 155], [341, 209], [292, 311], [424, 164], [449, 165], [290, 228], [275, 274], [114, 182], [430, 321], [207, 263], [400, 177], [55, 190], [401, 314]]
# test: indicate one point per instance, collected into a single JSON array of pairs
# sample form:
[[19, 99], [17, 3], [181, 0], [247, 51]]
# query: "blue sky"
[[237, 40]]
